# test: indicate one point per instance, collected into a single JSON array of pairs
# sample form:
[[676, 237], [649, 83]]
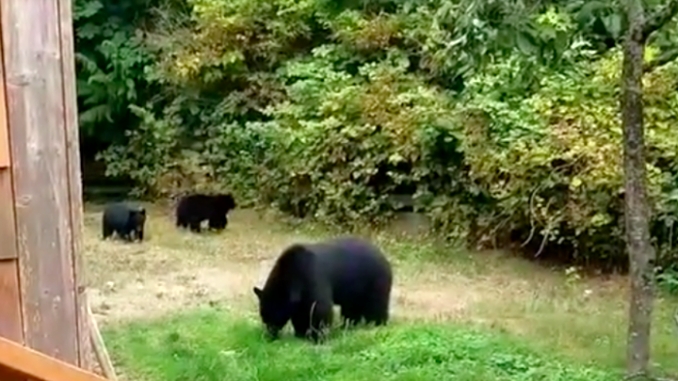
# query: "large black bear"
[[124, 219], [308, 279], [193, 209]]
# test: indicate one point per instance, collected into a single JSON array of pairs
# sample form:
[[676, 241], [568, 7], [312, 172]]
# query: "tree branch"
[[659, 18], [666, 57]]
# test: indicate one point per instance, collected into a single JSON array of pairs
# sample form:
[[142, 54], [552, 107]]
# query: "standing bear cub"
[[124, 219], [193, 209], [308, 279]]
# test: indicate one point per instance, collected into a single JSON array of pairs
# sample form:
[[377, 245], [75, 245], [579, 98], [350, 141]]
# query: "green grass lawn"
[[578, 318], [209, 345]]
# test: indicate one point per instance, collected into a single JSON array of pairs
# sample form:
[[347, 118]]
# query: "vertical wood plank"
[[85, 350], [4, 129], [40, 175], [10, 314], [8, 248], [4, 138], [7, 228], [11, 324]]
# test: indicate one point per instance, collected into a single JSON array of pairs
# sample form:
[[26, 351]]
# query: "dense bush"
[[500, 119]]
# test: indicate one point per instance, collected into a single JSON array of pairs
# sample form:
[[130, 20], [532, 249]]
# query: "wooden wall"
[[41, 282]]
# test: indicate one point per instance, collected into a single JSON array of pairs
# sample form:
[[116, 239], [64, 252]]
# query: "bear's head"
[[224, 202], [275, 310], [137, 217]]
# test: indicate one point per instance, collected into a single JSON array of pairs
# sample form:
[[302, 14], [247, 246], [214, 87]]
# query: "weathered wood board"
[[10, 317], [70, 112], [34, 85]]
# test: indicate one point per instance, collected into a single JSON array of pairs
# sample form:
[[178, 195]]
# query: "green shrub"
[[328, 110]]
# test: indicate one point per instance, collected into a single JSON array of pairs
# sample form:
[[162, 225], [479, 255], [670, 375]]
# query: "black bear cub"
[[193, 209], [308, 279], [126, 220]]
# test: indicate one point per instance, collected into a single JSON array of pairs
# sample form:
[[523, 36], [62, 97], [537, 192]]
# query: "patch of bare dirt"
[[175, 270], [144, 298], [232, 285]]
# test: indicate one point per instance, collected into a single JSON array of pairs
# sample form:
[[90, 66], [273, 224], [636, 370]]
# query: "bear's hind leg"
[[351, 315], [376, 310]]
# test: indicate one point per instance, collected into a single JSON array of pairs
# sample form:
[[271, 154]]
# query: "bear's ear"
[[257, 292]]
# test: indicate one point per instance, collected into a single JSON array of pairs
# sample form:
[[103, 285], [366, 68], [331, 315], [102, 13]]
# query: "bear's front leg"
[[300, 322], [321, 316]]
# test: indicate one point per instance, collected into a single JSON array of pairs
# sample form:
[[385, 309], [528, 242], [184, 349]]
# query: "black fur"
[[218, 222], [193, 209], [126, 220], [308, 279]]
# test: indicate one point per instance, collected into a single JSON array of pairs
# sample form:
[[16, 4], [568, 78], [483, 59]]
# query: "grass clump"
[[210, 345]]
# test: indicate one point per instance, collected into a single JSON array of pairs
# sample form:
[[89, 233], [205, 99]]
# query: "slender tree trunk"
[[641, 252]]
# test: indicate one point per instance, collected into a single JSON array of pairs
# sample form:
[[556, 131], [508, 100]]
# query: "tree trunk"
[[641, 252]]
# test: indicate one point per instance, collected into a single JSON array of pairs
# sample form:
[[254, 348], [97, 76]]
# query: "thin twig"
[[543, 244], [499, 225], [533, 228], [548, 233]]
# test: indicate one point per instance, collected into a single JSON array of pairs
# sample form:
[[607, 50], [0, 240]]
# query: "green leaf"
[[526, 43], [613, 24], [89, 9]]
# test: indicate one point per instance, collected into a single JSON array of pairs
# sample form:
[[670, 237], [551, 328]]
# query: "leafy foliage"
[[110, 59], [499, 119]]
